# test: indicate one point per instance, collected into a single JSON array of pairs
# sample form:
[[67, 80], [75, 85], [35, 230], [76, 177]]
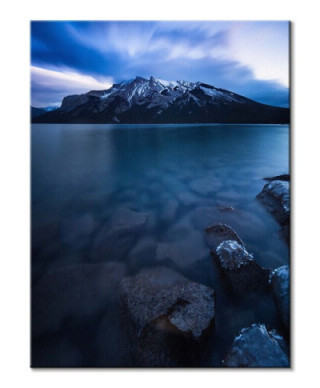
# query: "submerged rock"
[[169, 211], [76, 231], [255, 346], [205, 186], [182, 252], [226, 209], [187, 198], [279, 281], [275, 197], [143, 254], [166, 316], [239, 267], [73, 292], [115, 239], [218, 233]]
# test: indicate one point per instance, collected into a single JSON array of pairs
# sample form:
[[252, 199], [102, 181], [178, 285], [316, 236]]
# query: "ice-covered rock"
[[275, 196], [239, 267], [218, 233], [166, 316], [255, 346], [74, 292], [116, 238], [279, 281]]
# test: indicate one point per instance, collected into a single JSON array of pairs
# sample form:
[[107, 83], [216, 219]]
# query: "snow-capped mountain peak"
[[158, 100]]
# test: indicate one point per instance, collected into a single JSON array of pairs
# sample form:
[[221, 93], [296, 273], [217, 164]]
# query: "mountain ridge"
[[155, 100]]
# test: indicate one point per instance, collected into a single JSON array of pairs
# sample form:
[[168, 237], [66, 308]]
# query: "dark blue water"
[[181, 176]]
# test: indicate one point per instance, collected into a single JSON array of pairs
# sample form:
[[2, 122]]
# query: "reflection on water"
[[181, 177]]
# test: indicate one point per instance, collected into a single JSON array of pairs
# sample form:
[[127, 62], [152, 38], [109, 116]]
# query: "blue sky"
[[249, 58]]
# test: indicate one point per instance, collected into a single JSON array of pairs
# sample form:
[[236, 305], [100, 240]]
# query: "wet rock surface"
[[116, 238], [218, 233], [279, 282], [275, 196], [167, 317], [72, 293], [243, 273], [255, 346]]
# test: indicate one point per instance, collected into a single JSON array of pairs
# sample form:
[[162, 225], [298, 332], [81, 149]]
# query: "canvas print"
[[160, 194]]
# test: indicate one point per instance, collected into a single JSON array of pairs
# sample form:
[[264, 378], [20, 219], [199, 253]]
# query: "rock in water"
[[283, 177], [115, 239], [279, 281], [241, 270], [74, 292], [276, 198], [166, 316], [255, 346], [218, 233]]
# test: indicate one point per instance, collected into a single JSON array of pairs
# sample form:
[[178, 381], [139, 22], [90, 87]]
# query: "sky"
[[72, 57]]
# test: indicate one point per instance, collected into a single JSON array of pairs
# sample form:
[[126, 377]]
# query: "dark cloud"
[[54, 46]]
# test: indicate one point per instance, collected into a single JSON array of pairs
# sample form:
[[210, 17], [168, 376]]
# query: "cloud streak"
[[56, 84]]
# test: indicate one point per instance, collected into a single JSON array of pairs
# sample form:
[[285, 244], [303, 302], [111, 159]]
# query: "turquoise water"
[[181, 176]]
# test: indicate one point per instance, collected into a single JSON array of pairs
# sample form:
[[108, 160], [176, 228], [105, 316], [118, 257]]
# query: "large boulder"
[[255, 346], [166, 316], [275, 196], [74, 292], [116, 238], [279, 281], [243, 273]]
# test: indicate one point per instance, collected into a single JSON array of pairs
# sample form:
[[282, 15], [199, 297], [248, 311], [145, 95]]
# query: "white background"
[[15, 195]]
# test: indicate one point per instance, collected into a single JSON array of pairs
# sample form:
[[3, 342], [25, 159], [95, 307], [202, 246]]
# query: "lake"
[[184, 178]]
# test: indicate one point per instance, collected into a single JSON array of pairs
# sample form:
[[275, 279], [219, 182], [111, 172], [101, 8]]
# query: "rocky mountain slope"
[[159, 101]]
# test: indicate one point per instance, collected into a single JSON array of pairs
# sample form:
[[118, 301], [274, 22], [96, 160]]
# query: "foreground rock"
[[280, 287], [239, 267], [117, 237], [275, 197], [255, 346], [218, 233], [75, 292], [167, 317]]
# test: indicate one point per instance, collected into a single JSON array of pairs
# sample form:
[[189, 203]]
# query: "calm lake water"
[[180, 176]]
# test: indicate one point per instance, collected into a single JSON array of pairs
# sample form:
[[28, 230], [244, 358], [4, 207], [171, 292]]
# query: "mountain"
[[159, 101], [35, 112]]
